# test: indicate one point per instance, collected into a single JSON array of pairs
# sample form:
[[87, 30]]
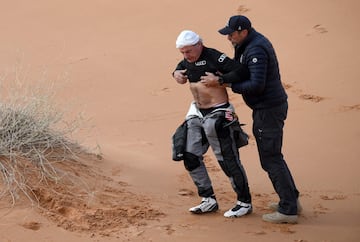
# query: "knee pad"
[[191, 161]]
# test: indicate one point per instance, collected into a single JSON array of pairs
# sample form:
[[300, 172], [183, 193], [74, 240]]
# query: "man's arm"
[[229, 71], [239, 73], [257, 62], [180, 74]]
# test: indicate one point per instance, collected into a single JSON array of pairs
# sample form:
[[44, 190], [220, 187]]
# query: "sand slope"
[[119, 56]]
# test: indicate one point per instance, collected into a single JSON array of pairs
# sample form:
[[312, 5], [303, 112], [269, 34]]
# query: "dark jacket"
[[264, 88], [216, 62]]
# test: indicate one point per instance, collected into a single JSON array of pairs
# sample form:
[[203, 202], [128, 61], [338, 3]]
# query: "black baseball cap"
[[236, 23]]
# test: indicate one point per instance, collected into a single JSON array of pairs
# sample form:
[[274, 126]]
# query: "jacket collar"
[[239, 49]]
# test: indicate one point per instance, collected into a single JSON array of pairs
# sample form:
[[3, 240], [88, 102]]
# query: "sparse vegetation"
[[35, 139], [40, 162]]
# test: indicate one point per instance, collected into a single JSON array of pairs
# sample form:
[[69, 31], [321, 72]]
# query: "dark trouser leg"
[[223, 145], [268, 131]]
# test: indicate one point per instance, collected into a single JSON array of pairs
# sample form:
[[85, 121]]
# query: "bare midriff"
[[208, 97]]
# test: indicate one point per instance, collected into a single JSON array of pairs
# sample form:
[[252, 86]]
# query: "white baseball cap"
[[187, 38]]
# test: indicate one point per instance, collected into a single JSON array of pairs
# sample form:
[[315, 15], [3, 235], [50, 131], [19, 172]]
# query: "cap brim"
[[226, 31]]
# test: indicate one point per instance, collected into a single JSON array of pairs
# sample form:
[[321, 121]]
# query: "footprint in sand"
[[242, 9], [335, 197], [286, 86], [185, 192], [355, 107], [309, 97], [317, 29], [32, 225], [168, 228], [319, 209], [320, 29], [161, 91], [312, 98]]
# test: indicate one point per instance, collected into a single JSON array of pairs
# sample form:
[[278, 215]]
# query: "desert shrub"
[[36, 145]]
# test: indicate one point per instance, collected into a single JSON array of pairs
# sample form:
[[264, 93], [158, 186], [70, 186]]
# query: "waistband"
[[205, 111], [195, 112]]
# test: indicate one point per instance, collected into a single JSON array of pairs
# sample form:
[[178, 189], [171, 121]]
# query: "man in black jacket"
[[264, 94]]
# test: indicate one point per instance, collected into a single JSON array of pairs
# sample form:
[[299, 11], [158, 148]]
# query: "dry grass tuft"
[[40, 162], [34, 136]]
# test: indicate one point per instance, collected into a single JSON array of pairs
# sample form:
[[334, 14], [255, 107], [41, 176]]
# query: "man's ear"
[[244, 33]]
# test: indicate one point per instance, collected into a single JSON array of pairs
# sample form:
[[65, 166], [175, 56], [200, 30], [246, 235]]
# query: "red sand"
[[119, 56]]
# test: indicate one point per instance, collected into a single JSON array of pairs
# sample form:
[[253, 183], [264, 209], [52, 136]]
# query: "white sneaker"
[[208, 204], [239, 210]]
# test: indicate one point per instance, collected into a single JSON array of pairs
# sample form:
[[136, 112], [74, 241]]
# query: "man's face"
[[237, 37], [191, 53]]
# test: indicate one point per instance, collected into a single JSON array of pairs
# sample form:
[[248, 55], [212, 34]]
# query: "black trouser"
[[268, 131]]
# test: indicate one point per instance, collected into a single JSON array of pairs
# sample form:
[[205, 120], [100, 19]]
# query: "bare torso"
[[208, 96]]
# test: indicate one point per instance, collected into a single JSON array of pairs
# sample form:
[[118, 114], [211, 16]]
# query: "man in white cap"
[[211, 121]]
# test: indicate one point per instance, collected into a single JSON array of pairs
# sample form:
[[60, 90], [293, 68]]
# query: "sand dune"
[[118, 57]]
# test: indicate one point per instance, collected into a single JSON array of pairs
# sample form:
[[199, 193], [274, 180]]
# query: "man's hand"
[[180, 76], [209, 80]]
